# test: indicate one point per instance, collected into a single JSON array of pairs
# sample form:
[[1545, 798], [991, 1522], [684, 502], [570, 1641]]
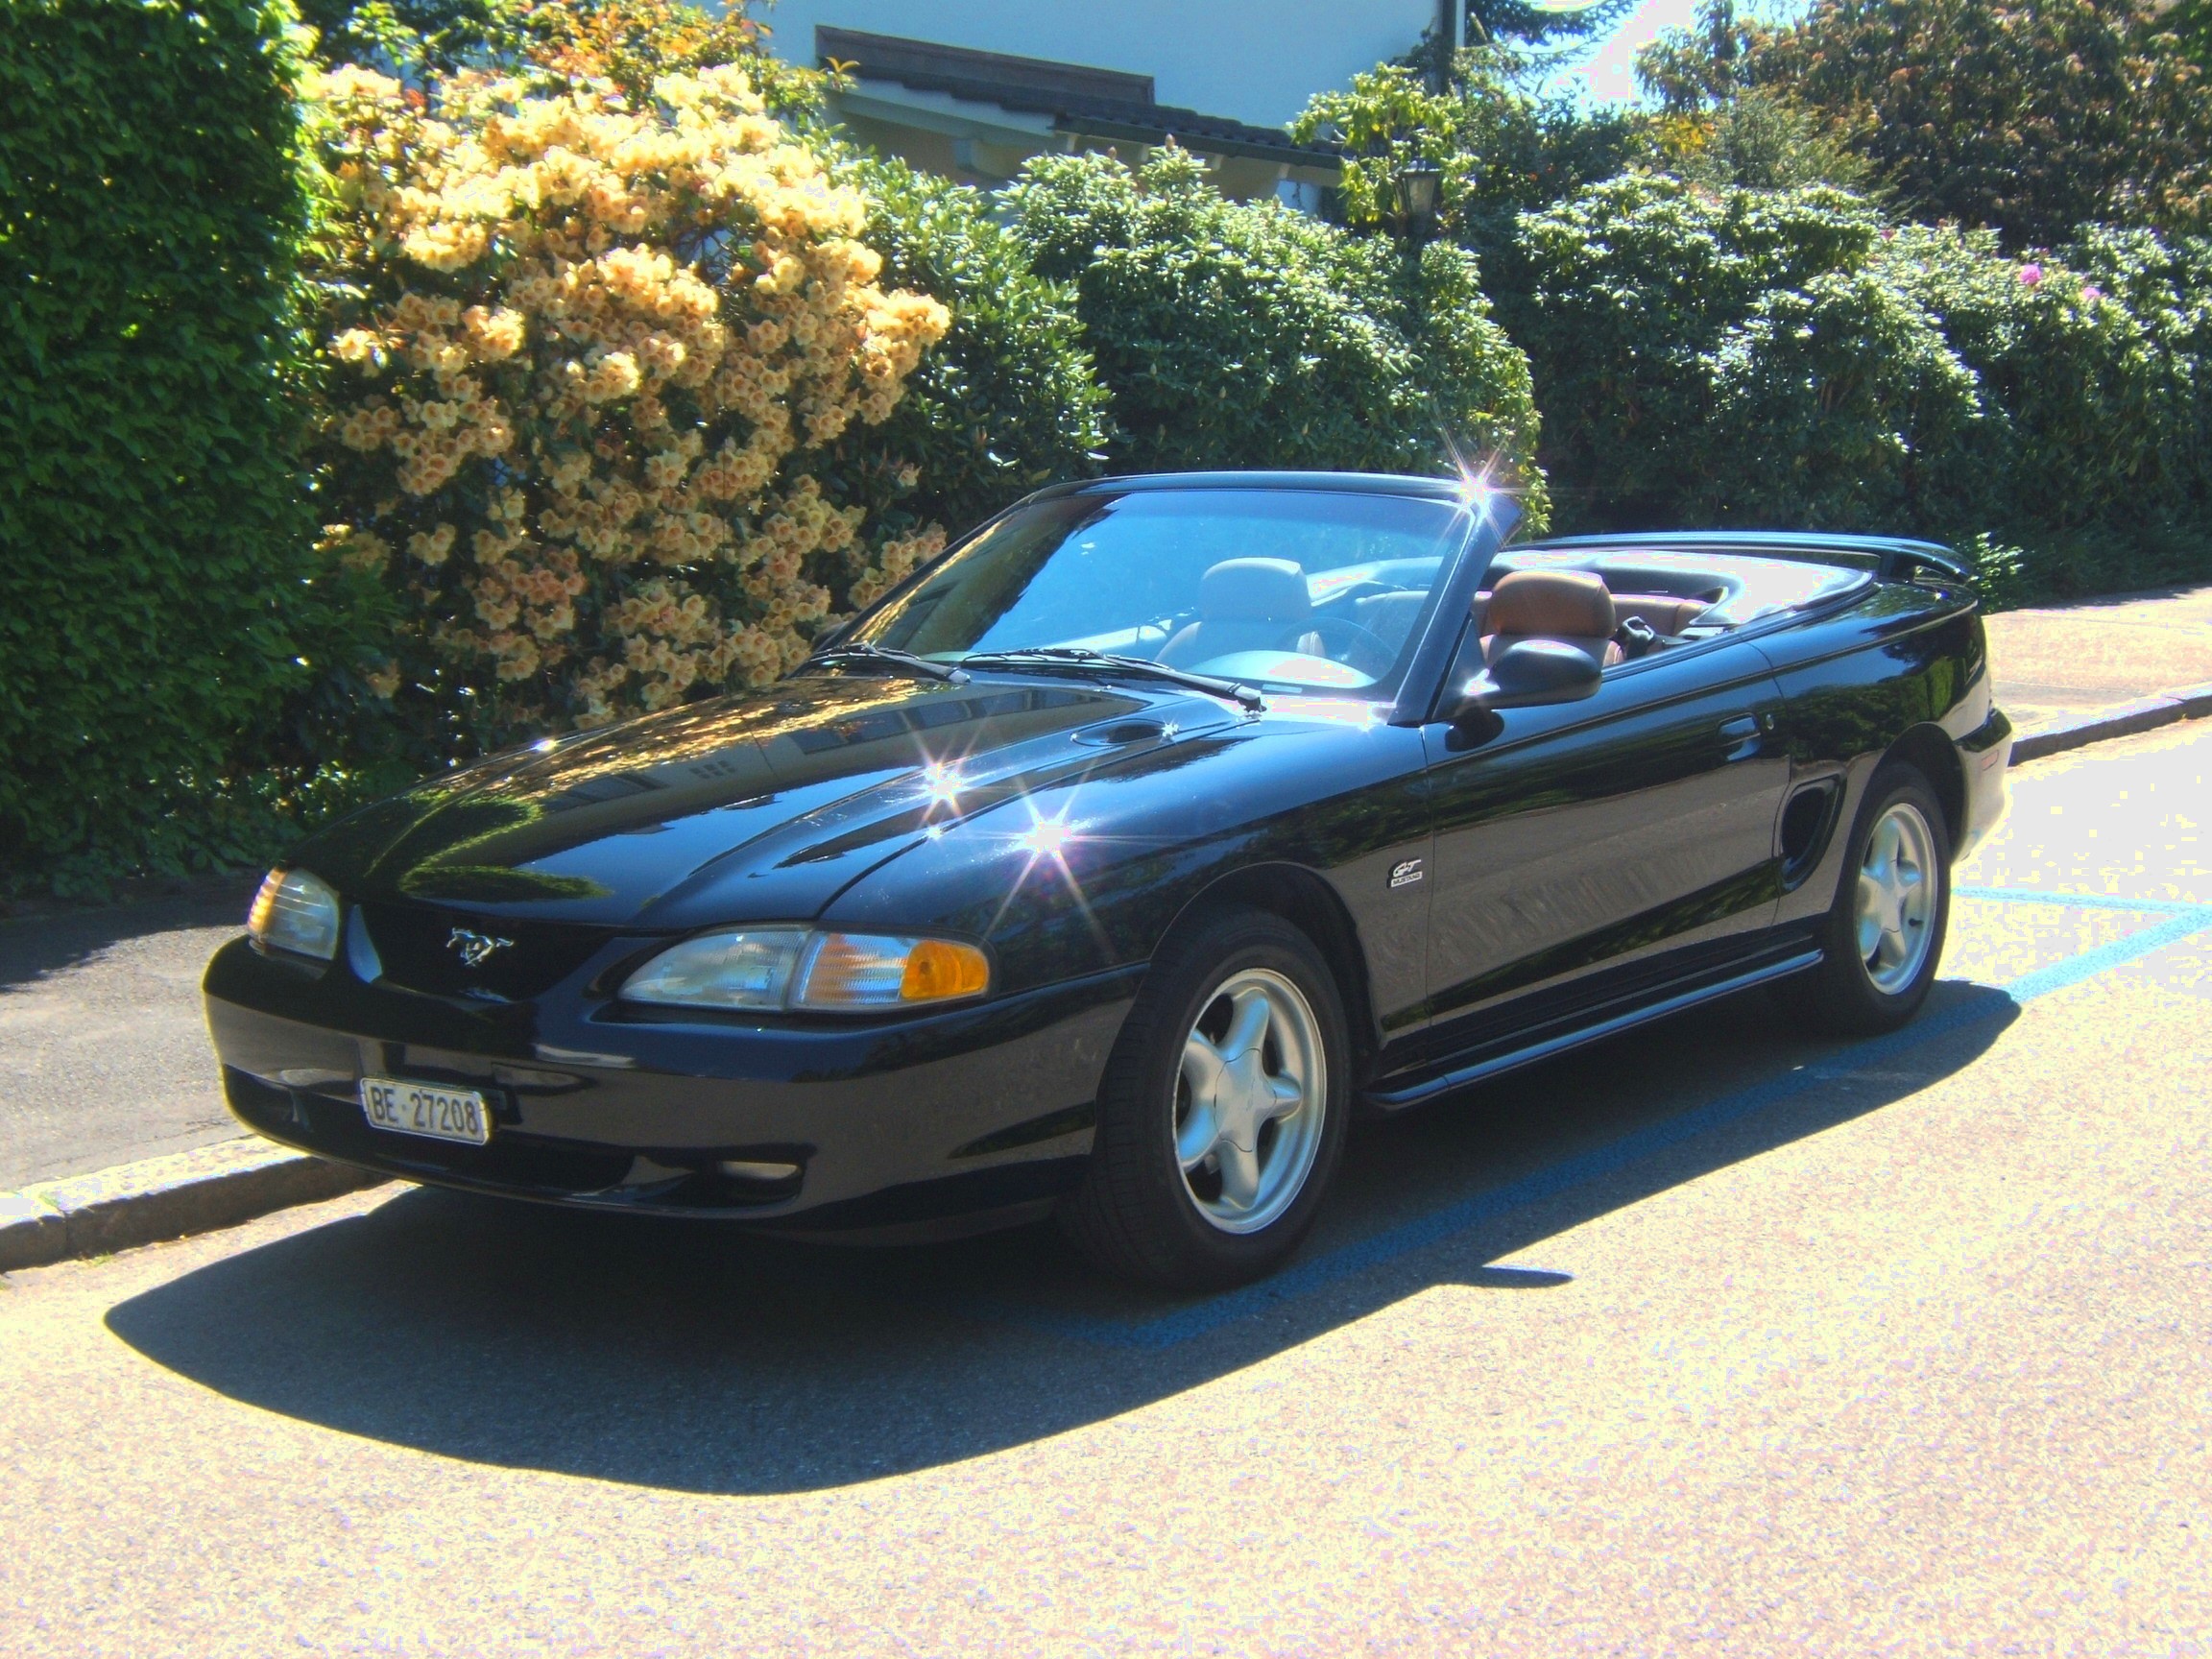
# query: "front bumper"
[[961, 1112], [1985, 756]]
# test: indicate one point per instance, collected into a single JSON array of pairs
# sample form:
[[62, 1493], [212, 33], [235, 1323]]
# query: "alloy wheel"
[[1250, 1098], [1898, 889]]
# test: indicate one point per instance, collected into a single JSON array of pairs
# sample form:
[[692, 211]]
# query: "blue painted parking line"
[[2083, 900], [2105, 957], [1988, 1003]]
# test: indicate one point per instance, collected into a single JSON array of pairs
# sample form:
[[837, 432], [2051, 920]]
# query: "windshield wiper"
[[1078, 657], [907, 660]]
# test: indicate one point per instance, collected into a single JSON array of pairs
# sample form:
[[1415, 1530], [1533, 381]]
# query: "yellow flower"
[[659, 414], [433, 547]]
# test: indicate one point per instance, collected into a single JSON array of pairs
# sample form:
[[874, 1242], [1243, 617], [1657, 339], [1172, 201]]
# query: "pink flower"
[[1889, 233], [2090, 291], [2030, 274]]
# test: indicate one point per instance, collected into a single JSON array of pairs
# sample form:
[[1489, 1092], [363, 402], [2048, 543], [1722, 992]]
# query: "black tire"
[[1135, 1216], [1843, 996]]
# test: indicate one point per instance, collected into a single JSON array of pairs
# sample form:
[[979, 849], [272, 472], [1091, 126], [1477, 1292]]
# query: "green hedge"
[[153, 533], [1246, 335], [1719, 358], [1788, 358], [1008, 402]]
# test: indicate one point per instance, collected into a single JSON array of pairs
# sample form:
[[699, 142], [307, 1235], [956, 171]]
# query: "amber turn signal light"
[[939, 967]]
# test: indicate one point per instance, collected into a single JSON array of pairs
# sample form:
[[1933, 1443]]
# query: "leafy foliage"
[[628, 42], [1009, 401], [1833, 404], [632, 42], [1754, 139], [1556, 20], [586, 347], [2029, 116], [154, 541], [2084, 406], [1502, 151], [2188, 25], [1706, 356], [1786, 358], [1234, 335], [438, 34]]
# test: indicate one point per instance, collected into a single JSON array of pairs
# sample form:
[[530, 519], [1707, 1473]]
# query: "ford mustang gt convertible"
[[1114, 861]]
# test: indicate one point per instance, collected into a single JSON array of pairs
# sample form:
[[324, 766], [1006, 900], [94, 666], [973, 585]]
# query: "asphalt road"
[[1710, 1340], [104, 1053]]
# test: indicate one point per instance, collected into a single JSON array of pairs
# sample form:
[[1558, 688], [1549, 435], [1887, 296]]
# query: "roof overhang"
[[997, 98]]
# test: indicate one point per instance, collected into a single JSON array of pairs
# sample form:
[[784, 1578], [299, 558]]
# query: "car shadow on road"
[[686, 1357]]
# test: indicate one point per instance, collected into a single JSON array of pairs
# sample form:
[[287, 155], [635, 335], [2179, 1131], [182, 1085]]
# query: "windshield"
[[1288, 588]]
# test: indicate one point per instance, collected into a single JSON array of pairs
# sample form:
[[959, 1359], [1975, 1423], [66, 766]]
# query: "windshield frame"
[[1480, 524]]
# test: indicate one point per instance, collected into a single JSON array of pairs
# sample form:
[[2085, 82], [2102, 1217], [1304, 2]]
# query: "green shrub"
[[2166, 286], [1232, 335], [1706, 358], [153, 532], [1502, 149], [2081, 402], [1786, 359], [1835, 404], [2027, 117], [1755, 139], [1008, 402]]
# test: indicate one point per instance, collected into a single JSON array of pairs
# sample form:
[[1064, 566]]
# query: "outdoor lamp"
[[1420, 182]]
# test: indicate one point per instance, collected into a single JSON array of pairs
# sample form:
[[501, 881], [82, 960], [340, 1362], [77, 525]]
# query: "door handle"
[[1742, 734]]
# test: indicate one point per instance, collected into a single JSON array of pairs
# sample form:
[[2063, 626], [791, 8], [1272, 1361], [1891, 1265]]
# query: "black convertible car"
[[1113, 860]]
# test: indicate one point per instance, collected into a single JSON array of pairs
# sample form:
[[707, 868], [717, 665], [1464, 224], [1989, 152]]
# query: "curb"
[[2119, 720], [158, 1198]]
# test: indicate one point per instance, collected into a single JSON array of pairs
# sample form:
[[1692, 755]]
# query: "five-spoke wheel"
[[1898, 884], [1221, 1114], [1250, 1099], [1883, 936]]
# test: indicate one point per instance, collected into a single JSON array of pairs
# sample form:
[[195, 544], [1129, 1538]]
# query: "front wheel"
[[1885, 935], [1221, 1116]]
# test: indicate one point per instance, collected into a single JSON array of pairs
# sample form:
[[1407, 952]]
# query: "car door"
[[1595, 850]]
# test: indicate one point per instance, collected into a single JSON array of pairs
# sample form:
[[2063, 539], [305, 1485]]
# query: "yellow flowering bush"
[[583, 347]]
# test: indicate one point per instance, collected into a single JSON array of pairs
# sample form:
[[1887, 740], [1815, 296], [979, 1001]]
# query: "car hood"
[[754, 807]]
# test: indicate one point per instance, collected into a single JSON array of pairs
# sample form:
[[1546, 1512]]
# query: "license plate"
[[419, 1108]]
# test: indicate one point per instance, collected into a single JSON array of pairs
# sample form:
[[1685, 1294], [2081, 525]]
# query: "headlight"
[[295, 911], [776, 967], [722, 970]]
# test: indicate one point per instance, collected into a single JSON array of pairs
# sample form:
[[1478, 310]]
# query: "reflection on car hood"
[[752, 807]]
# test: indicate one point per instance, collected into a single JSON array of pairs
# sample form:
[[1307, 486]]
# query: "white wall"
[[1252, 60]]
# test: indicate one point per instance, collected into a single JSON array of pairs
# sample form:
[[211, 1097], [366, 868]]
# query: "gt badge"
[[1406, 873], [476, 949]]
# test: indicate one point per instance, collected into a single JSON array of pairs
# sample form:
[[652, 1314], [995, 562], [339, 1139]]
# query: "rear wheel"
[[1884, 937], [1221, 1116]]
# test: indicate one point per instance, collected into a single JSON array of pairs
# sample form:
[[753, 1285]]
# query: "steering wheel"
[[1362, 649]]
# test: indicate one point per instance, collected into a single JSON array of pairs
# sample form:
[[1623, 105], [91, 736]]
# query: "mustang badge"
[[476, 949], [1406, 874]]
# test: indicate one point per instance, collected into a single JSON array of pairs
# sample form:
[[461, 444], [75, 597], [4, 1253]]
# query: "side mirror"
[[1527, 675]]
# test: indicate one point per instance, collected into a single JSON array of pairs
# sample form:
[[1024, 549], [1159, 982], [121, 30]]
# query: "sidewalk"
[[104, 1058], [2056, 665]]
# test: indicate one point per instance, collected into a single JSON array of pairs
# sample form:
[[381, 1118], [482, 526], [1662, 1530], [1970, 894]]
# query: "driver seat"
[[1572, 607], [1246, 605]]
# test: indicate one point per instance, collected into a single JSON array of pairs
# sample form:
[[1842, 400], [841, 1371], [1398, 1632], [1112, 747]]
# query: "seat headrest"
[[1556, 604], [1254, 590]]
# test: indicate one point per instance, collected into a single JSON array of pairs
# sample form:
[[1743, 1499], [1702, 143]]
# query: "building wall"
[[1252, 60]]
